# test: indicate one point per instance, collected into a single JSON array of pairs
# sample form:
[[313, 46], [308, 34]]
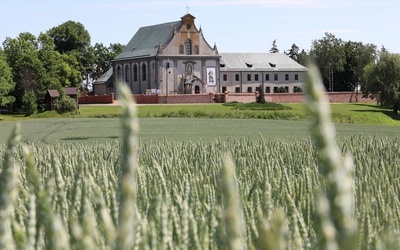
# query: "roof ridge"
[[160, 24]]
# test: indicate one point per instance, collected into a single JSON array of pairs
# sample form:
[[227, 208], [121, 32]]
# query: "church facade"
[[175, 58]]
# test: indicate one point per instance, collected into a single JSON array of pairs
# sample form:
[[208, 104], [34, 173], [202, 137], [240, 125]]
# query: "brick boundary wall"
[[180, 98], [334, 97], [241, 97], [146, 99], [94, 99]]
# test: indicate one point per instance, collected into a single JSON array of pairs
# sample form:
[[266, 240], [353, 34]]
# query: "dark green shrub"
[[261, 106], [261, 96], [66, 104], [281, 90], [232, 103], [297, 90]]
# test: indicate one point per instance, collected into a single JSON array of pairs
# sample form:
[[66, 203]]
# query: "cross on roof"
[[187, 9]]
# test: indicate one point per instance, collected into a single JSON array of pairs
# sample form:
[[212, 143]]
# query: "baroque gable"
[[188, 40]]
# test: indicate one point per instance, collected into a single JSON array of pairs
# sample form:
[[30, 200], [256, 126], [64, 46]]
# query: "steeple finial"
[[187, 9]]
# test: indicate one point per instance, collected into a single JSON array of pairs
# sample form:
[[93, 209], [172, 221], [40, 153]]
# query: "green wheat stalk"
[[9, 189], [336, 226], [234, 218], [127, 197]]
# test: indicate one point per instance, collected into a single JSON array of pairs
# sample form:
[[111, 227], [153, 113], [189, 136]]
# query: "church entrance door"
[[197, 90]]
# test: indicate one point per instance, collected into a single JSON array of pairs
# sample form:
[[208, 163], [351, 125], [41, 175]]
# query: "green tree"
[[383, 78], [27, 69], [294, 52], [304, 58], [103, 57], [6, 81], [29, 104], [73, 39], [61, 69], [274, 48], [70, 36], [328, 53], [358, 56]]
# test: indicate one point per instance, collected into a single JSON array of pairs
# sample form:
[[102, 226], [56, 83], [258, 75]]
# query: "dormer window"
[[222, 65], [273, 65], [249, 65]]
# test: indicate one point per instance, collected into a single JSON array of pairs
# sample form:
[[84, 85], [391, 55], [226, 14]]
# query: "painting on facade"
[[211, 81]]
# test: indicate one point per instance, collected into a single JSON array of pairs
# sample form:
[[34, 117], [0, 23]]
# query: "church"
[[175, 58]]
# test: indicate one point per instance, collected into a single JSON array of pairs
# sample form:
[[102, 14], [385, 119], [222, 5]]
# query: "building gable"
[[188, 40]]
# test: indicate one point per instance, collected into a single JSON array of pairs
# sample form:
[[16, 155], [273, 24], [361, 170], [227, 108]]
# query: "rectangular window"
[[225, 77], [286, 77], [267, 89], [237, 90], [249, 89], [287, 89], [275, 89], [249, 77], [267, 77], [296, 77], [256, 77], [258, 89], [275, 77], [237, 77], [223, 89]]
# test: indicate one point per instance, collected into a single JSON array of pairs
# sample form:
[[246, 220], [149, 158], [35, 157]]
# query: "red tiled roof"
[[53, 93], [71, 91]]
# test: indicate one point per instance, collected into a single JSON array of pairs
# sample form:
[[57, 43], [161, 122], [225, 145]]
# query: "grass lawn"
[[175, 122], [341, 113]]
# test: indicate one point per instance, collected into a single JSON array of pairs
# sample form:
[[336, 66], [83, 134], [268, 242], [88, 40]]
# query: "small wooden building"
[[72, 93], [52, 96]]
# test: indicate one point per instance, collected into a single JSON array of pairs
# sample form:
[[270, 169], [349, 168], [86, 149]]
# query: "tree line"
[[353, 66], [64, 57], [60, 57]]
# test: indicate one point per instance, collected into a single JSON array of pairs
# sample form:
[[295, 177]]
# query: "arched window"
[[181, 48], [144, 72], [188, 47], [126, 73], [135, 73], [119, 73], [196, 50]]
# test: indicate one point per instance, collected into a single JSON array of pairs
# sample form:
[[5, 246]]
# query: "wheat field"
[[315, 193]]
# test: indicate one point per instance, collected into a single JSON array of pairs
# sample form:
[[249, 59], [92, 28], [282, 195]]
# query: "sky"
[[233, 25]]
